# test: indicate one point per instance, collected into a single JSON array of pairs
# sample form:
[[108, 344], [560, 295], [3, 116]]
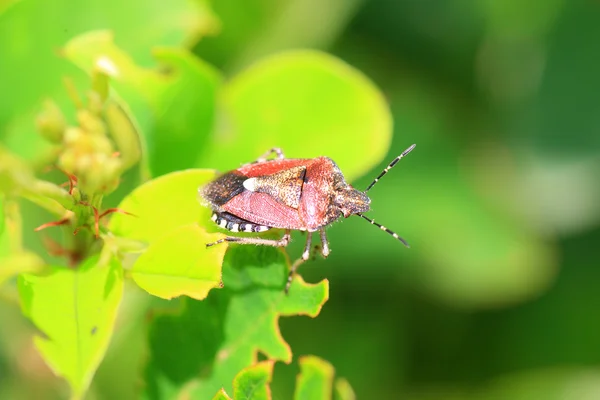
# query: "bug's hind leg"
[[283, 242], [298, 262], [275, 150]]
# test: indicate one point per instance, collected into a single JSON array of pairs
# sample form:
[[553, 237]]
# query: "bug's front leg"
[[296, 264], [275, 150], [283, 242]]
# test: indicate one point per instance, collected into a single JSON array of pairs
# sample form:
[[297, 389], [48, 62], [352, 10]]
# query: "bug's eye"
[[340, 186]]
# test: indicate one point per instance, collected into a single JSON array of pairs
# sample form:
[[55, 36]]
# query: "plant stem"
[[42, 191]]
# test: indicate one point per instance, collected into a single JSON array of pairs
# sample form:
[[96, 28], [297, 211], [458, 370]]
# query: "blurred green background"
[[498, 296]]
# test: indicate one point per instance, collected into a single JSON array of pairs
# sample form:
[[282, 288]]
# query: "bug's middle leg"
[[283, 242]]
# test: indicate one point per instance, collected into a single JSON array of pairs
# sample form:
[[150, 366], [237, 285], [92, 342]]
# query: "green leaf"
[[246, 311], [161, 205], [307, 103], [252, 383], [183, 344], [342, 390], [75, 310], [180, 264], [166, 216], [315, 380], [274, 26], [176, 104]]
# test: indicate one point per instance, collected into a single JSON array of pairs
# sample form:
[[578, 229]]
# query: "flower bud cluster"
[[88, 150]]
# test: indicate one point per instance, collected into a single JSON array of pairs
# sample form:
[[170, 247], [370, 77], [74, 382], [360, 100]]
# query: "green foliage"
[[499, 201], [176, 104], [26, 36], [73, 341], [342, 390], [2, 221], [161, 205], [165, 216], [315, 381], [267, 106], [252, 383], [13, 258], [263, 107], [178, 264], [250, 304], [166, 120]]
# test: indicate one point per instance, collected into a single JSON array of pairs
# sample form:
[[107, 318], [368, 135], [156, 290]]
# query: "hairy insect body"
[[291, 194], [297, 194]]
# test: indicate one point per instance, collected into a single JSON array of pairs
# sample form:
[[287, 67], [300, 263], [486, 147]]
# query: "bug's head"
[[351, 201]]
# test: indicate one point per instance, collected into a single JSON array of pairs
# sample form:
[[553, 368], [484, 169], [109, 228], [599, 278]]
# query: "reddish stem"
[[54, 223]]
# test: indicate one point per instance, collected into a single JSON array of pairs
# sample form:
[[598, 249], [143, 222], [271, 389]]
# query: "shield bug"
[[290, 194]]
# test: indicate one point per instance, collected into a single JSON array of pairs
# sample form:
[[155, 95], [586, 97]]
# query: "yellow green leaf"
[[161, 205], [179, 264]]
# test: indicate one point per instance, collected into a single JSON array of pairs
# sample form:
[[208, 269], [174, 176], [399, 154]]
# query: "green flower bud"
[[95, 103], [90, 122], [67, 161], [90, 158], [51, 122]]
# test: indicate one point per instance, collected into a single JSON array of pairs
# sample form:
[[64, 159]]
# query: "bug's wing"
[[284, 186], [263, 209]]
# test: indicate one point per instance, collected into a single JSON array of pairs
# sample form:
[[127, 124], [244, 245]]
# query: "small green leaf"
[[75, 310], [342, 390], [309, 104], [221, 395], [252, 383], [177, 103], [315, 380], [179, 264], [161, 205]]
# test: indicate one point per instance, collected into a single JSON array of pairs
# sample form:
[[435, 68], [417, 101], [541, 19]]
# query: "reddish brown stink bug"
[[291, 194]]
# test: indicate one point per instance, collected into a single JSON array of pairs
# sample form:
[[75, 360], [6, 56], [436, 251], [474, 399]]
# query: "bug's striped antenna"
[[390, 166], [383, 228]]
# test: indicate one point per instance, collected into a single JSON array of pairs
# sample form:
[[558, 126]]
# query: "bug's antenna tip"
[[383, 228], [390, 166]]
